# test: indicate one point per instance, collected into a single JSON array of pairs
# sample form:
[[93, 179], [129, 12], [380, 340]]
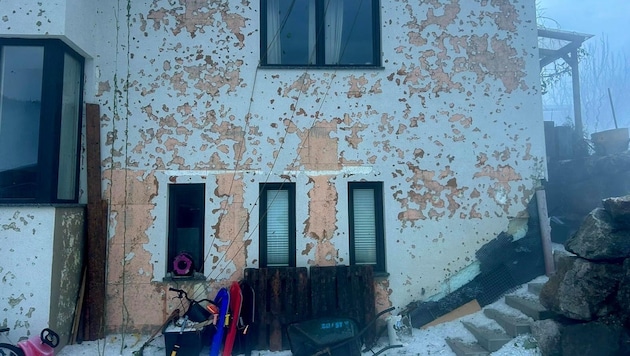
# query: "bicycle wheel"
[[10, 350]]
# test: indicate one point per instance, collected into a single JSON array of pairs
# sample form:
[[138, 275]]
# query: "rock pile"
[[590, 291]]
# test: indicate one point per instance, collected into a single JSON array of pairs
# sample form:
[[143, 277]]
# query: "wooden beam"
[[93, 152], [96, 241], [563, 35]]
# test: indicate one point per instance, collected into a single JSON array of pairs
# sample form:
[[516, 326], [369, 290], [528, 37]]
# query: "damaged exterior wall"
[[451, 124], [41, 252]]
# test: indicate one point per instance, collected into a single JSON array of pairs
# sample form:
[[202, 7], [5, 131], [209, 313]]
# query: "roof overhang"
[[569, 42]]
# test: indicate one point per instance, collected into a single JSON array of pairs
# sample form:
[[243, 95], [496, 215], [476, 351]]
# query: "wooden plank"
[[96, 247], [93, 152], [303, 309], [78, 311], [96, 241], [323, 281], [466, 309], [275, 299], [261, 283]]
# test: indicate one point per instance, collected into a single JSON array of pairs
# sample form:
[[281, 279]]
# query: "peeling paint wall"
[[451, 124], [41, 254], [67, 269]]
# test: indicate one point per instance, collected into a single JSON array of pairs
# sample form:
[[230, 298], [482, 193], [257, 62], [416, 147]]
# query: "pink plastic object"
[[35, 347], [40, 345]]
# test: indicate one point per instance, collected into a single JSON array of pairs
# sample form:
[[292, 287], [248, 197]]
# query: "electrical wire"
[[322, 101]]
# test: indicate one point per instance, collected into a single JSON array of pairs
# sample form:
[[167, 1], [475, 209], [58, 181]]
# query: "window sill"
[[196, 277], [342, 67], [381, 275], [39, 205]]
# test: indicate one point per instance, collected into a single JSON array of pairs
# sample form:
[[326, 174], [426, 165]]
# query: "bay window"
[[41, 83]]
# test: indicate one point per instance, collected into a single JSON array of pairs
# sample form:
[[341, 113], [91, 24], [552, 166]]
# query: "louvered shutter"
[[277, 215], [364, 226]]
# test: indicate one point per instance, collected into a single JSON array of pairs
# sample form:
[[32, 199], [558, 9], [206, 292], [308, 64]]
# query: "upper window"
[[320, 33], [277, 224], [185, 229], [367, 238], [40, 109]]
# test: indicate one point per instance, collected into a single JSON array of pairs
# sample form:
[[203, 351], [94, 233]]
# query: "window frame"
[[50, 121], [262, 221], [320, 41], [379, 265], [185, 190]]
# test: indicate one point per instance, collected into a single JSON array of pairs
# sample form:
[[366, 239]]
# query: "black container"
[[190, 341]]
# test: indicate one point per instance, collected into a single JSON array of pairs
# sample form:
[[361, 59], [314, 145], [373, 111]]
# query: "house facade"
[[238, 134]]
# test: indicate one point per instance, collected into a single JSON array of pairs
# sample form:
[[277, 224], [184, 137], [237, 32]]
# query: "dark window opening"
[[186, 229]]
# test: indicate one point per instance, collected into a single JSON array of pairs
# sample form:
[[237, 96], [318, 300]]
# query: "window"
[[277, 224], [185, 228], [367, 240], [320, 32], [41, 82]]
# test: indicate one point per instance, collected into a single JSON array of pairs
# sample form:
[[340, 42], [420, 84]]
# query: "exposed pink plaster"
[[130, 196], [232, 225], [321, 223]]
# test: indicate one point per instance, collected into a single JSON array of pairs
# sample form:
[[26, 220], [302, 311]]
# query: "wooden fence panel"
[[345, 291], [285, 295], [282, 297]]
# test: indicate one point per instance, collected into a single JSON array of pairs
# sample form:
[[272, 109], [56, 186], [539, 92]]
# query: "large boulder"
[[547, 334], [582, 289], [599, 239], [595, 338], [619, 209]]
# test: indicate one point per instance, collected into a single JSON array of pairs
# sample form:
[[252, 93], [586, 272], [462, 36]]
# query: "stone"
[[547, 334], [594, 339], [619, 209], [548, 295], [598, 239], [623, 294], [582, 289]]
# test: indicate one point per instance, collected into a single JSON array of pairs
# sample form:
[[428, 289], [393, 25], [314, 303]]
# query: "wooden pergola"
[[569, 44]]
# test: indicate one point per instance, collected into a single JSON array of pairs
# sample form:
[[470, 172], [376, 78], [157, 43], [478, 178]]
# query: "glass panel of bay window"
[[21, 73], [66, 188], [356, 34]]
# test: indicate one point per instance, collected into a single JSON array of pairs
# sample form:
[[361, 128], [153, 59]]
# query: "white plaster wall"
[[26, 257], [454, 119], [452, 124], [70, 20], [32, 17]]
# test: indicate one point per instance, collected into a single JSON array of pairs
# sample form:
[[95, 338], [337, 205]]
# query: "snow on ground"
[[430, 341]]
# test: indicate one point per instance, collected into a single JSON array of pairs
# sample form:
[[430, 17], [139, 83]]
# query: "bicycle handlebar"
[[182, 293]]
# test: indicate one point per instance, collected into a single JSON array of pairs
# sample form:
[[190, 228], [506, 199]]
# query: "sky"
[[595, 17]]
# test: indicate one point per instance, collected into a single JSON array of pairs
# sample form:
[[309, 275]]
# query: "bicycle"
[[43, 345]]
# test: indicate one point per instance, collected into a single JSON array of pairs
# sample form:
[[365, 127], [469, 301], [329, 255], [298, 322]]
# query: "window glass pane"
[[364, 226], [356, 37], [69, 140], [290, 31], [277, 216], [21, 70]]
